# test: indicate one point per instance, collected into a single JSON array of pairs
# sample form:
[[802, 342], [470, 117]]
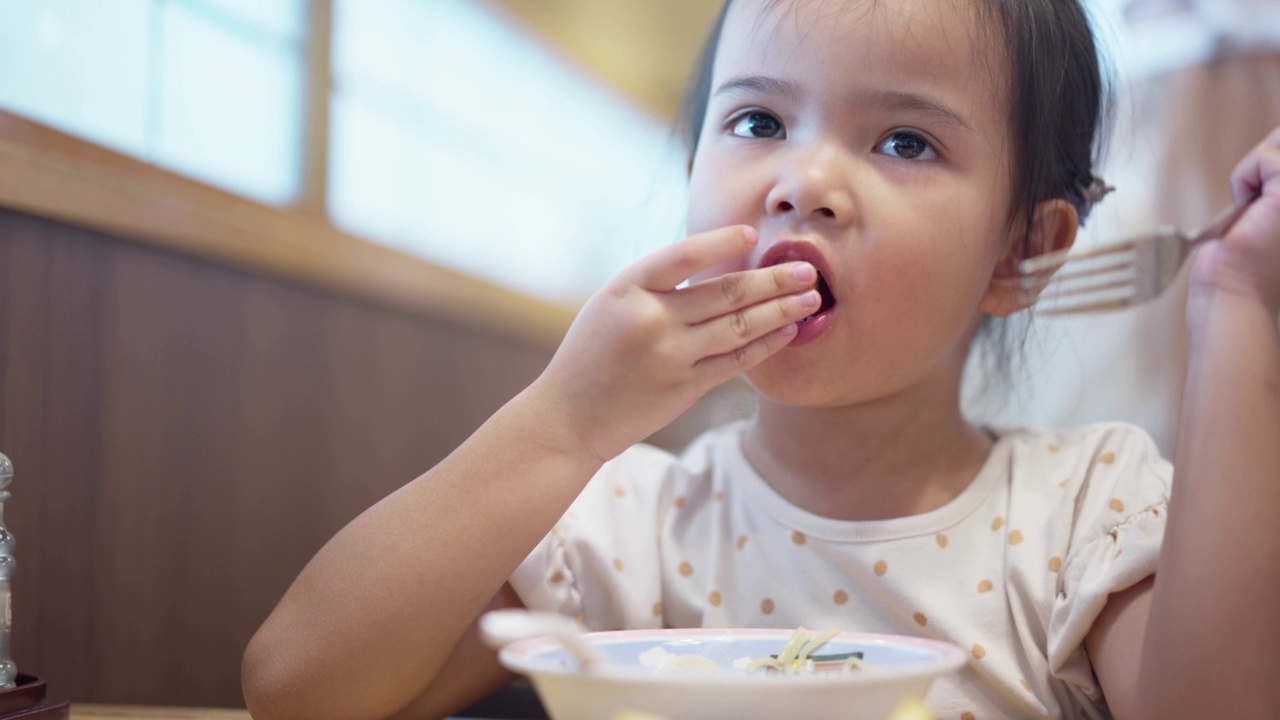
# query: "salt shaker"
[[8, 670]]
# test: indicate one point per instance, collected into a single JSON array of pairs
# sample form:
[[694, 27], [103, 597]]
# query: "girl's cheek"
[[715, 196], [723, 268], [704, 215]]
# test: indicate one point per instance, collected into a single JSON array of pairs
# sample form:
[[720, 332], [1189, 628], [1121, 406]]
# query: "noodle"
[[797, 656]]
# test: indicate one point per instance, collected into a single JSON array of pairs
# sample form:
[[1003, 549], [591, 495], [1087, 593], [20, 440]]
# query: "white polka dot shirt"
[[1014, 570]]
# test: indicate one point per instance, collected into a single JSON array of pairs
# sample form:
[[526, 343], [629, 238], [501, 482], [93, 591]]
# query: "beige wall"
[[644, 48]]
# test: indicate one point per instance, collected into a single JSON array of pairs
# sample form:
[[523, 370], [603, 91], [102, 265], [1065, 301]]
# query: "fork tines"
[[1106, 278], [1117, 275]]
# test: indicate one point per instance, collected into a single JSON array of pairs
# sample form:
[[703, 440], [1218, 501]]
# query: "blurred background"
[[525, 142], [263, 261]]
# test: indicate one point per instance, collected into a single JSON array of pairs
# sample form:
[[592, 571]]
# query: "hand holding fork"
[[1117, 275]]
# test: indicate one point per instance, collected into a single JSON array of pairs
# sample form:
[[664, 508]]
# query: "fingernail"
[[788, 330], [750, 234], [806, 272], [811, 299]]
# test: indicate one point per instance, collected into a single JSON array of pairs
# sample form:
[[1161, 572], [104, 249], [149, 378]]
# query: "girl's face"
[[871, 139]]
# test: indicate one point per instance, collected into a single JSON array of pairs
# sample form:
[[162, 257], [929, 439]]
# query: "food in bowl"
[[912, 709], [796, 657], [717, 684]]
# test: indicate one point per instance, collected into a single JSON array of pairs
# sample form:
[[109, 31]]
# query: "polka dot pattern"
[[1107, 458], [966, 715], [914, 566]]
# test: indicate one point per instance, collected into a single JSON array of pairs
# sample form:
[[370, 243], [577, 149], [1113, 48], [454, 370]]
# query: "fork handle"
[[1221, 224]]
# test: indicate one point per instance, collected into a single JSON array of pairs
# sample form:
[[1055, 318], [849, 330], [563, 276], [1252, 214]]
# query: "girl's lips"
[[811, 328], [792, 251], [816, 324]]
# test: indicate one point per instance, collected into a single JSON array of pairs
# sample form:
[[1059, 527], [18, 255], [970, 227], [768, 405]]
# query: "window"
[[453, 134], [208, 88], [458, 137]]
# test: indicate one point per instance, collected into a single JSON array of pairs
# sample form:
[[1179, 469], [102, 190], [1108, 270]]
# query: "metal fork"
[[1119, 275]]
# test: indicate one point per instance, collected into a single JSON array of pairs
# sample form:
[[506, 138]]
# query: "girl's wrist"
[[553, 428]]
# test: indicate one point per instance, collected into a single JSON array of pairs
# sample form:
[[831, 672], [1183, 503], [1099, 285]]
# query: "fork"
[[1119, 275]]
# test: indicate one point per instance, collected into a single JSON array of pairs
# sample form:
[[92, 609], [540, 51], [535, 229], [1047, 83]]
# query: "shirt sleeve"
[[1121, 508], [600, 564]]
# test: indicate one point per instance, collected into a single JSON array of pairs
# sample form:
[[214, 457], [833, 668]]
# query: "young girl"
[[866, 177]]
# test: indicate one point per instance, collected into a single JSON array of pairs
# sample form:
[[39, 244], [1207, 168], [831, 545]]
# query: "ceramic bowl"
[[699, 674]]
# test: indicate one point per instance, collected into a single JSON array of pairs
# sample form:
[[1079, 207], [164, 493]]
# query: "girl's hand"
[[1247, 260], [642, 350]]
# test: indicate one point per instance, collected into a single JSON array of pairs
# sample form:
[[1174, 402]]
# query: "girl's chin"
[[785, 382]]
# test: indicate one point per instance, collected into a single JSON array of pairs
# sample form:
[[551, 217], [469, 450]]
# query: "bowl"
[[700, 674]]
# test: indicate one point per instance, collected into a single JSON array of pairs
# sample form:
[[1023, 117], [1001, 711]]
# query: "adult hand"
[[1247, 260]]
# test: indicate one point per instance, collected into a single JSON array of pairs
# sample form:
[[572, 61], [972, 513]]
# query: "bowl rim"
[[521, 657]]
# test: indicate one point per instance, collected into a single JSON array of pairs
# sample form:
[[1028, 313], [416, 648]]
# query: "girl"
[[866, 177]]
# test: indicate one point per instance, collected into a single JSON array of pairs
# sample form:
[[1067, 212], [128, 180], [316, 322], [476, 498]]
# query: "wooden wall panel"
[[186, 436]]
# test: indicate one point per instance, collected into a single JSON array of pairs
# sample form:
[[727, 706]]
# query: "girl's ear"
[[1053, 229]]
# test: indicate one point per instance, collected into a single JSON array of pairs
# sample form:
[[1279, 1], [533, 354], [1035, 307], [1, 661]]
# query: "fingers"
[[729, 333], [730, 323], [733, 291], [672, 265], [1257, 169], [748, 356]]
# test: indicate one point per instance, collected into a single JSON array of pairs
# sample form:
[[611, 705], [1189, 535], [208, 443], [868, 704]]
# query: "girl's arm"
[[1205, 640], [374, 618]]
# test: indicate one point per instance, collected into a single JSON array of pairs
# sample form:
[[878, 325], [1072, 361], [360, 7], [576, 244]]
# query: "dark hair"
[[1058, 104]]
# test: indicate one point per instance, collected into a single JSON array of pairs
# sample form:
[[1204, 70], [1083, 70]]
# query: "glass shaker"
[[8, 670]]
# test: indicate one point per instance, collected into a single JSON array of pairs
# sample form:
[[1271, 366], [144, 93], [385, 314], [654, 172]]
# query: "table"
[[86, 711]]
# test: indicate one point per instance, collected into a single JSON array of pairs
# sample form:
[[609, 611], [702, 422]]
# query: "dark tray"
[[30, 700]]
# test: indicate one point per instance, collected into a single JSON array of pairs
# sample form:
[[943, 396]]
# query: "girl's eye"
[[758, 125], [908, 146]]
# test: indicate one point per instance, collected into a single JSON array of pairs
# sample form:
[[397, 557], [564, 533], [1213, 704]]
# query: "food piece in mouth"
[[824, 292]]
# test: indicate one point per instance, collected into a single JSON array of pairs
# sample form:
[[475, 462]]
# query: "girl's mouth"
[[828, 300], [816, 324]]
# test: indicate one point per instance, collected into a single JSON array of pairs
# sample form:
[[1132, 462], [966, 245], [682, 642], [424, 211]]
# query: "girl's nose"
[[814, 186]]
